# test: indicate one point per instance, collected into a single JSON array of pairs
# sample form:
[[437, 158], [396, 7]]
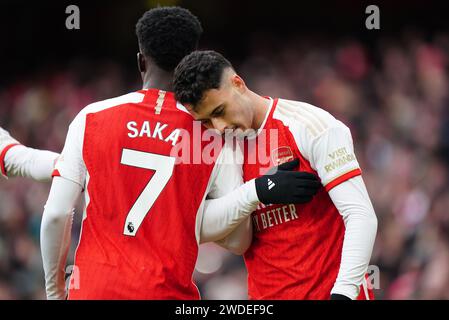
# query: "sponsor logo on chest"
[[268, 216]]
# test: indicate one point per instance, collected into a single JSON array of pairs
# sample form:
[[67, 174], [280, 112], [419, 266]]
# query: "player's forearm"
[[352, 201], [239, 240], [56, 234], [55, 241], [221, 216], [21, 161]]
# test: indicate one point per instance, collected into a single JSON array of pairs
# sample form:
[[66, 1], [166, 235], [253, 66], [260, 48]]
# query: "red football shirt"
[[138, 233], [296, 248]]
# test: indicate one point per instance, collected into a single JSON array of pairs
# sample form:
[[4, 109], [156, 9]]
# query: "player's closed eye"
[[218, 112]]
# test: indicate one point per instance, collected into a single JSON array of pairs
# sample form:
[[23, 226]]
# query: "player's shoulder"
[[80, 118], [132, 97], [98, 106], [307, 117]]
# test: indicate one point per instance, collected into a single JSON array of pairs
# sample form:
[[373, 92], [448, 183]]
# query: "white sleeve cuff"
[[349, 290]]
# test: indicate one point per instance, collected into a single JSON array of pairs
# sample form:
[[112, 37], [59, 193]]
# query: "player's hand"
[[282, 185]]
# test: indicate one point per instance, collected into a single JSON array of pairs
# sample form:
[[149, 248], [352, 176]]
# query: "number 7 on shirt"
[[163, 166]]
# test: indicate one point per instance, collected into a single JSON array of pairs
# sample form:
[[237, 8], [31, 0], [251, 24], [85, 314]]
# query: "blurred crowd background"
[[390, 88]]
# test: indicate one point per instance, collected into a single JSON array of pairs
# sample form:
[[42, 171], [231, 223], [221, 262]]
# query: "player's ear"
[[238, 83], [141, 62]]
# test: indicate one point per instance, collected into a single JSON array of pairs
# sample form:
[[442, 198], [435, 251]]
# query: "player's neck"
[[158, 79], [261, 107]]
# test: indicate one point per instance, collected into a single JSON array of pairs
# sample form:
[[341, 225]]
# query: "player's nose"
[[219, 124]]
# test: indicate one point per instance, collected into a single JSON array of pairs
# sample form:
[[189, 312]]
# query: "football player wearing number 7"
[[145, 213], [301, 251]]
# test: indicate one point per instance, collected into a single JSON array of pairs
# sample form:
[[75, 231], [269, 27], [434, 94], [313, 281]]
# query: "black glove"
[[336, 296], [282, 185]]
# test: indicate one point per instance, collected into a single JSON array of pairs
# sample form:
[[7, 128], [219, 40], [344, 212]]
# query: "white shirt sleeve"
[[229, 203], [17, 160], [240, 239], [21, 161], [56, 234], [69, 181], [70, 165], [352, 201], [6, 144], [224, 214], [332, 156]]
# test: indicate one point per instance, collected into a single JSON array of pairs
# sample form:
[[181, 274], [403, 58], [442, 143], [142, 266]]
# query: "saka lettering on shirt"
[[158, 131]]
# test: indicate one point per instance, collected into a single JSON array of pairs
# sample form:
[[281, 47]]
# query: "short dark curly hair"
[[196, 73], [168, 34]]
